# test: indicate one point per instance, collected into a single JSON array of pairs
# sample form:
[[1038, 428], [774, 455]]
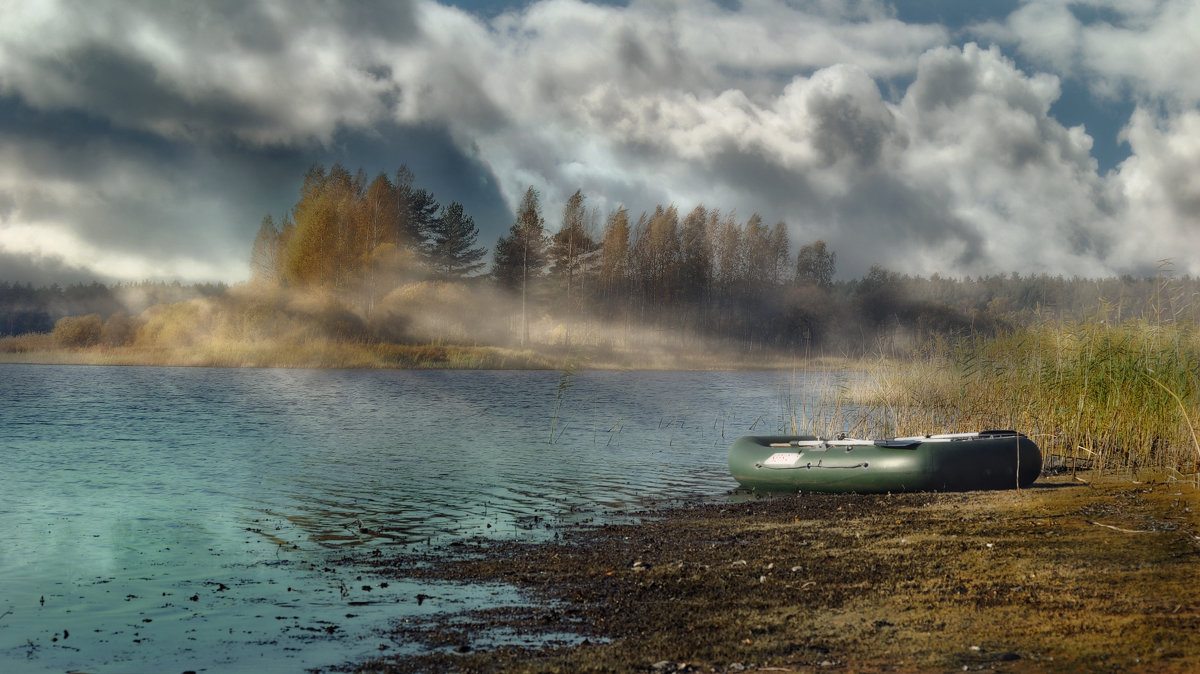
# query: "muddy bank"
[[1063, 576]]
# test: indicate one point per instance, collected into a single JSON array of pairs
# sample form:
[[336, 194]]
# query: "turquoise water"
[[171, 519]]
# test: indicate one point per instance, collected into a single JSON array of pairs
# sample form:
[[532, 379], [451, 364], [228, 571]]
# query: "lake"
[[171, 519]]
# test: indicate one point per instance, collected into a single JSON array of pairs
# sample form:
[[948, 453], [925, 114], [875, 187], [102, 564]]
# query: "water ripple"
[[175, 503]]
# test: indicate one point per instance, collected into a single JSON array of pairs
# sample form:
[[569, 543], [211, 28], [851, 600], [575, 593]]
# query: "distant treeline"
[[26, 309], [362, 245], [854, 316]]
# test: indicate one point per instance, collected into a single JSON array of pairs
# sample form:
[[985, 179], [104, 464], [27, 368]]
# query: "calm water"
[[163, 519]]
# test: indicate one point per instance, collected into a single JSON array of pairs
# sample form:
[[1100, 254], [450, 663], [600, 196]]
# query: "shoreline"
[[385, 356], [1061, 576]]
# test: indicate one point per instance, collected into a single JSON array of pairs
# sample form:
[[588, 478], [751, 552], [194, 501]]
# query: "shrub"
[[337, 322], [181, 324], [78, 331], [119, 330]]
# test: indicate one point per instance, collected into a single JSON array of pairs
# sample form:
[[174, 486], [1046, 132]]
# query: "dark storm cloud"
[[437, 164], [943, 83], [131, 91], [391, 20], [882, 220], [43, 271], [127, 188], [846, 130], [771, 187], [69, 131]]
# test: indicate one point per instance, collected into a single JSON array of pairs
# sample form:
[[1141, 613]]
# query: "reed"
[[28, 343], [823, 402], [565, 381], [1096, 395]]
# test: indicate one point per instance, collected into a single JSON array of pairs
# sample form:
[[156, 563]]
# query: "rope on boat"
[[844, 442], [911, 439], [809, 466]]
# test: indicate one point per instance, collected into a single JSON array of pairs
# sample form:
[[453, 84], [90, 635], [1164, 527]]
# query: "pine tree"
[[520, 257], [419, 210], [450, 247]]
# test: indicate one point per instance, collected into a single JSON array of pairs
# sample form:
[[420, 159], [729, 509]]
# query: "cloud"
[[265, 72], [1141, 51], [587, 86], [983, 139], [127, 206], [1144, 48], [44, 271], [1160, 188], [968, 173], [55, 247], [145, 138]]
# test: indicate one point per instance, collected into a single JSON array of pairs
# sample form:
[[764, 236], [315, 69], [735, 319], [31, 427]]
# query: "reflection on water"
[[163, 518]]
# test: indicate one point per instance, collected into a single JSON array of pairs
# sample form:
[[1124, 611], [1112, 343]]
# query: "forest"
[[379, 259]]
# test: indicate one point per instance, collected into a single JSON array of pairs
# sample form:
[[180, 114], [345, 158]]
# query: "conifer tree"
[[450, 248], [311, 258], [520, 257]]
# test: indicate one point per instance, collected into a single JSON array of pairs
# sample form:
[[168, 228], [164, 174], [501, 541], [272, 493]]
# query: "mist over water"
[[186, 518]]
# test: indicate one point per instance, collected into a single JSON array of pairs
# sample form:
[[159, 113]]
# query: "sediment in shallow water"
[[1062, 576]]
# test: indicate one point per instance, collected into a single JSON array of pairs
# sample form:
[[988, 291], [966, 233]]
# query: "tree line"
[[361, 238], [702, 272], [352, 236]]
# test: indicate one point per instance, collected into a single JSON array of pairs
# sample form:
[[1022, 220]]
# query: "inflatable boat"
[[947, 462]]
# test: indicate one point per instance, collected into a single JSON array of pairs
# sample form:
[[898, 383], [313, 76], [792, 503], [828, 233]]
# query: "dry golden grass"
[[10, 347], [1114, 397]]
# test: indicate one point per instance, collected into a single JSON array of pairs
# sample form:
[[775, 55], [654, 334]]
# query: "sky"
[[146, 139]]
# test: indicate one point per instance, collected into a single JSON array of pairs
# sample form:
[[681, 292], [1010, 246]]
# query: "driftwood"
[[1124, 531]]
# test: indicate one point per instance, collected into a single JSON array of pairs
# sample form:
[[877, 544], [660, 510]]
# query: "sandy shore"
[[1063, 576]]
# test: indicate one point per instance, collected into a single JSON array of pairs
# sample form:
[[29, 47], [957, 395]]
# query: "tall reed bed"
[[1108, 396]]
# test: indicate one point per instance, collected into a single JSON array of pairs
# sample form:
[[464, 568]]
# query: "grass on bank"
[[313, 354], [1121, 397], [329, 353]]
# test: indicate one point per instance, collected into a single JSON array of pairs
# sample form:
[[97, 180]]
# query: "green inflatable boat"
[[948, 462]]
